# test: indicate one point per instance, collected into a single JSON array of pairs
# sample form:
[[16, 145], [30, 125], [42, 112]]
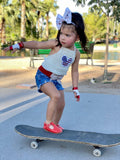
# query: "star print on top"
[[66, 61]]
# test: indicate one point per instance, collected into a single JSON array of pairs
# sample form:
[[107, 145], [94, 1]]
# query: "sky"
[[71, 5]]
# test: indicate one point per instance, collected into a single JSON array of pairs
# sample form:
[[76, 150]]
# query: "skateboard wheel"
[[97, 152], [34, 144]]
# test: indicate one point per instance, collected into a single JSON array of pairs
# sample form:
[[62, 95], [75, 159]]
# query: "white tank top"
[[60, 62]]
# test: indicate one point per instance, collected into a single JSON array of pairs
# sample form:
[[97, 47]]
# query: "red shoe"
[[59, 126], [51, 127]]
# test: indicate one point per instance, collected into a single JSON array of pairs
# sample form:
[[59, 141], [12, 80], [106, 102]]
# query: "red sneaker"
[[51, 127], [59, 126]]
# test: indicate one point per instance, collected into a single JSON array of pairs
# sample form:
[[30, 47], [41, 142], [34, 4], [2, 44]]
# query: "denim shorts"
[[41, 79]]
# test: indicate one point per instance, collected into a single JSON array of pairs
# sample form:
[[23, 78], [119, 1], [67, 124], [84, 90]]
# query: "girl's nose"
[[62, 37]]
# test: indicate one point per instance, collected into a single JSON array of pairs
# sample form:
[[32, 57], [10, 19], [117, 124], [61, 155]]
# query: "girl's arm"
[[75, 75], [40, 45], [32, 45]]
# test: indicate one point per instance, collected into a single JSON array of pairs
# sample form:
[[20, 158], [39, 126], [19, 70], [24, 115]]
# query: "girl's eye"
[[67, 35]]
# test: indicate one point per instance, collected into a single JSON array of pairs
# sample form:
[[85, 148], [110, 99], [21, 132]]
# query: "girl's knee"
[[56, 97]]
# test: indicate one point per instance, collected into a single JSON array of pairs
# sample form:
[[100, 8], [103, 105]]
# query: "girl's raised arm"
[[32, 45], [40, 45]]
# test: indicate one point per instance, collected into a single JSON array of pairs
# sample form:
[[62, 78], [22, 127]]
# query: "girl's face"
[[68, 36]]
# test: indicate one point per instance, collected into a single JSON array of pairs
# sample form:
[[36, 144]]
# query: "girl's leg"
[[55, 96], [59, 108]]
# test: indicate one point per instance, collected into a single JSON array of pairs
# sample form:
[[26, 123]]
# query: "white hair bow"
[[66, 17]]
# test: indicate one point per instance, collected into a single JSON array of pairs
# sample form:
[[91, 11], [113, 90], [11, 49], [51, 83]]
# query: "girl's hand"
[[76, 93], [8, 49], [14, 47]]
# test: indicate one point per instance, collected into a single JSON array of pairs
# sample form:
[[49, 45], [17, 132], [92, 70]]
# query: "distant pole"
[[107, 47]]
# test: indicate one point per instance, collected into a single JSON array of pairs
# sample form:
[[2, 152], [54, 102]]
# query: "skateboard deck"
[[97, 140]]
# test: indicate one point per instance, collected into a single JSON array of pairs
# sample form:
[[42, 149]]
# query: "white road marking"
[[8, 114]]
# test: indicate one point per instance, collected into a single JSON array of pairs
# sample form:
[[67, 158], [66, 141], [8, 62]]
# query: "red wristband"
[[11, 48], [21, 45], [17, 46], [74, 88]]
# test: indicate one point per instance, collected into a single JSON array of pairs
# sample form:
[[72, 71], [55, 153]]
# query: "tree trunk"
[[3, 31], [23, 20], [38, 24], [47, 30], [107, 48], [3, 37], [23, 24]]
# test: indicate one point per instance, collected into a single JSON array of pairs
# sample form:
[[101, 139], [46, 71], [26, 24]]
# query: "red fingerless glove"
[[17, 46], [75, 90]]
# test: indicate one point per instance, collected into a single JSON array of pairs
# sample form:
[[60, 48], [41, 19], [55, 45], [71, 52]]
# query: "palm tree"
[[4, 13], [29, 13], [21, 5], [2, 30], [51, 6], [2, 21]]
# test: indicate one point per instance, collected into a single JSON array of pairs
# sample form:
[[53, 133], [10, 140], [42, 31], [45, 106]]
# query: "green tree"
[[116, 9], [111, 8], [34, 10], [107, 7], [27, 13], [95, 25], [30, 13]]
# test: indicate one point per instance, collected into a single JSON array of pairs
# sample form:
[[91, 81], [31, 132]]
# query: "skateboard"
[[97, 140]]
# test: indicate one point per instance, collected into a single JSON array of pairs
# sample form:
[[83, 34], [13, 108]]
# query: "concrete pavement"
[[95, 112]]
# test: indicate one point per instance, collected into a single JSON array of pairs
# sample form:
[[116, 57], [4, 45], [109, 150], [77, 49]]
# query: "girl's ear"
[[77, 38]]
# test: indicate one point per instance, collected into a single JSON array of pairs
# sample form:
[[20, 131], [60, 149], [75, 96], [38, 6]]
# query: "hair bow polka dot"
[[67, 17]]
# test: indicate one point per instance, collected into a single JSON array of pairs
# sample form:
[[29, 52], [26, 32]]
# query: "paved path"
[[95, 112], [13, 63]]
